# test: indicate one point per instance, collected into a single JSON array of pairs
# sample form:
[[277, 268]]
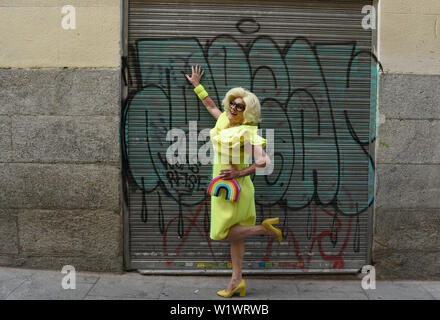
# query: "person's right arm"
[[210, 105]]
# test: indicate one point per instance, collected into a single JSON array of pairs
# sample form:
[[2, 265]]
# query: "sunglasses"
[[238, 106]]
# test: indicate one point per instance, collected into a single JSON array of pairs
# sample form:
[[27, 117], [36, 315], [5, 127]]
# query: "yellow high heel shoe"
[[268, 224], [241, 287]]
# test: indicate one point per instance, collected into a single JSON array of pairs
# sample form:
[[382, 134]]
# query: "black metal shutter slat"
[[168, 223]]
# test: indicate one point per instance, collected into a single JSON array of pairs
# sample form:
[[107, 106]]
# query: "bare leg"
[[238, 232], [236, 236], [237, 253]]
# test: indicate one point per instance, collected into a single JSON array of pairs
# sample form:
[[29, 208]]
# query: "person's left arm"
[[261, 160]]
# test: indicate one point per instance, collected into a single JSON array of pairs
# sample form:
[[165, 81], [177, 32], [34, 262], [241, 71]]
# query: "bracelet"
[[201, 92], [199, 89]]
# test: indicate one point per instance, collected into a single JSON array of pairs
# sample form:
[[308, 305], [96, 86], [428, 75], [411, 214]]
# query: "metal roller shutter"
[[310, 65]]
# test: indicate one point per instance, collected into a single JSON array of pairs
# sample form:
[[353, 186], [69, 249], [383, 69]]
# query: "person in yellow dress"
[[234, 140]]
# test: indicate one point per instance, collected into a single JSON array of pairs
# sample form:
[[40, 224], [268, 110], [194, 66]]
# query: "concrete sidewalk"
[[23, 284]]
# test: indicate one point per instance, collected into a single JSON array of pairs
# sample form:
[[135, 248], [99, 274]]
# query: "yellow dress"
[[228, 145]]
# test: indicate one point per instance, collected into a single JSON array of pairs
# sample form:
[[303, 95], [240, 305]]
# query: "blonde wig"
[[252, 112]]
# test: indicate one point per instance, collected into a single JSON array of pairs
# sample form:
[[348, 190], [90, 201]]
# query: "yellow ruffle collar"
[[236, 136]]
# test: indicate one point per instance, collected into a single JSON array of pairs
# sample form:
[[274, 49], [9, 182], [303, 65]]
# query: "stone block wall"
[[406, 240], [60, 195], [60, 192]]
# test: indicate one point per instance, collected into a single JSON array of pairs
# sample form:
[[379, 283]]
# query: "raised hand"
[[197, 74]]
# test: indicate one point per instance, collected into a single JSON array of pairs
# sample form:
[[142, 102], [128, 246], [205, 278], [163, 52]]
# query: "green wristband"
[[202, 95], [201, 92], [199, 89]]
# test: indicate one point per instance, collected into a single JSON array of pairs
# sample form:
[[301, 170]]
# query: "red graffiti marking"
[[338, 261], [192, 224], [303, 263]]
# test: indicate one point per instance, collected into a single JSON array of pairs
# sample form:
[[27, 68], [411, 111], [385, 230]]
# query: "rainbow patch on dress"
[[230, 185]]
